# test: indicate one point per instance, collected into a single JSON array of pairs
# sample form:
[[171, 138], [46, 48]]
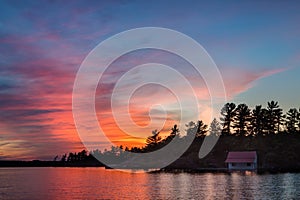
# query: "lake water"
[[98, 183]]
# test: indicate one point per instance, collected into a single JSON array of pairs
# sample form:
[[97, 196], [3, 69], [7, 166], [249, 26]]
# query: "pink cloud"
[[238, 80]]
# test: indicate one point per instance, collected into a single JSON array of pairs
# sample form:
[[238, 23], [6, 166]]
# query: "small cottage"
[[241, 160]]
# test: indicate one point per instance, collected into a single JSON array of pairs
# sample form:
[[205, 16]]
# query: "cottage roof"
[[241, 157]]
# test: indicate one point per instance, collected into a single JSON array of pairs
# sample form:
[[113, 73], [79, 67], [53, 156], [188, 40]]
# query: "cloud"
[[35, 103], [239, 80]]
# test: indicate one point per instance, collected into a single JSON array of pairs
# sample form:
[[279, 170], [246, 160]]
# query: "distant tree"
[[273, 110], [228, 114], [71, 157], [154, 139], [63, 158], [257, 120], [114, 151], [201, 129], [265, 122], [55, 158], [135, 150], [171, 136], [279, 116], [196, 130], [215, 128], [191, 129], [75, 157], [174, 131], [96, 153], [292, 117], [242, 119], [82, 155]]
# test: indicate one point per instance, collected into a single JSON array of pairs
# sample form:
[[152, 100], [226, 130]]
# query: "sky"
[[255, 45]]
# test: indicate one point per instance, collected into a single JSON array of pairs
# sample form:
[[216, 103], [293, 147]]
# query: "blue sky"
[[256, 46]]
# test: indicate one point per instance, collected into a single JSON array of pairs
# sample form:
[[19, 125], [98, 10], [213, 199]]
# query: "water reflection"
[[98, 183]]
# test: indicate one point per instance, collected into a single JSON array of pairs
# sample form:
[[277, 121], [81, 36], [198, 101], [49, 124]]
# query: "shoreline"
[[227, 171], [25, 164]]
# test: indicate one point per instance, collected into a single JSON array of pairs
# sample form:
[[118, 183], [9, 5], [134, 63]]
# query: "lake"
[[98, 183]]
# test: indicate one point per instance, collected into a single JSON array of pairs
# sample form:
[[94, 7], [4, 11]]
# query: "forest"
[[272, 133]]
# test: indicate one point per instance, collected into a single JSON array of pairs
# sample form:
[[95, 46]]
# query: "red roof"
[[241, 157]]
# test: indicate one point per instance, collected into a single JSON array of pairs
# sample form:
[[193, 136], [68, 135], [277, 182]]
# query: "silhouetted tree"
[[55, 158], [82, 155], [71, 157], [174, 131], [228, 114], [63, 158], [292, 117], [173, 134], [196, 130], [75, 156], [135, 149], [215, 128], [279, 116], [153, 139], [257, 120], [272, 116], [201, 129], [242, 119], [191, 129], [265, 122]]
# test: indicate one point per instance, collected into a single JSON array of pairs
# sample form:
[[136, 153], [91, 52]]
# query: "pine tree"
[[228, 114], [241, 119], [292, 120]]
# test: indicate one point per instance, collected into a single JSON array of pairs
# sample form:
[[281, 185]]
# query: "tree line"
[[235, 120], [241, 120]]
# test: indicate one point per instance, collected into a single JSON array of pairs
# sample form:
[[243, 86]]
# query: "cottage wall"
[[242, 166]]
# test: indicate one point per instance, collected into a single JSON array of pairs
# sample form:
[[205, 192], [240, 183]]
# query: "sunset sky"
[[256, 47]]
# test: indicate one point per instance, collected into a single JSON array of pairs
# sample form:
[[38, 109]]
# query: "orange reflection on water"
[[98, 183]]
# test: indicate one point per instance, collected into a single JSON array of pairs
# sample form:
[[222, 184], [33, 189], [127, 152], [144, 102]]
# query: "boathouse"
[[241, 160]]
